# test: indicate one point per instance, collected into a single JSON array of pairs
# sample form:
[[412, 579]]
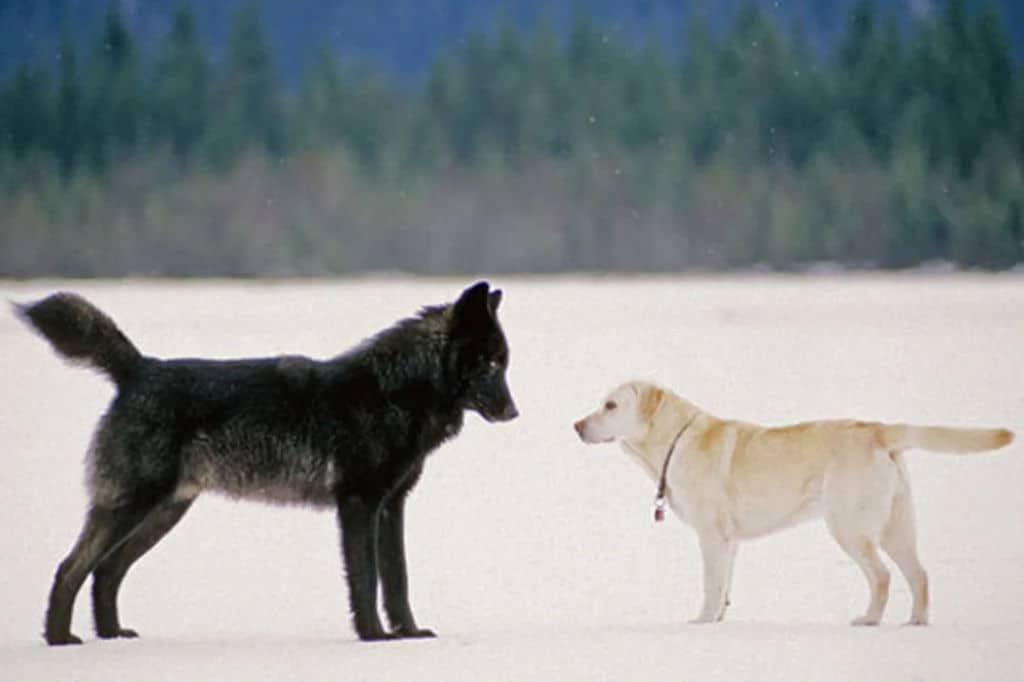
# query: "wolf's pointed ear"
[[494, 300], [473, 297], [472, 304]]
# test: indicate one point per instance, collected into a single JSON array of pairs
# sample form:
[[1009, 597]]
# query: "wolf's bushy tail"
[[83, 333], [944, 438]]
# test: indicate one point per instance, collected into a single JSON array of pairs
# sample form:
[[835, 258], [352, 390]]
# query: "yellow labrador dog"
[[733, 481]]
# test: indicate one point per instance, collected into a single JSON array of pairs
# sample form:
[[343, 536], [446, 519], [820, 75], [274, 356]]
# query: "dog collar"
[[659, 500]]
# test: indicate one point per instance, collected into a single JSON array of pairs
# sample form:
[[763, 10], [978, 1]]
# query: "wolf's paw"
[[120, 633], [62, 639], [415, 633], [377, 635]]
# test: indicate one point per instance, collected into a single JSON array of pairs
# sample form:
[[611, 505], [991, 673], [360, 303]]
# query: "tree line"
[[532, 149]]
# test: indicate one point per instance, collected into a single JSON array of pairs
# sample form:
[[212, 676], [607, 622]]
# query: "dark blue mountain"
[[403, 36]]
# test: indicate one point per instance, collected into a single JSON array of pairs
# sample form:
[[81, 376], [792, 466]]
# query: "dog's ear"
[[473, 307], [651, 398], [494, 300]]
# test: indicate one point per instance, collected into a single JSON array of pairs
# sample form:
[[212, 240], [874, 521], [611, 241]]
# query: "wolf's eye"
[[610, 405]]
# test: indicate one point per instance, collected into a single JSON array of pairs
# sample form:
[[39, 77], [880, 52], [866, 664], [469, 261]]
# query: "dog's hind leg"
[[393, 574], [358, 518], [899, 540], [104, 529], [865, 553], [112, 568], [858, 494]]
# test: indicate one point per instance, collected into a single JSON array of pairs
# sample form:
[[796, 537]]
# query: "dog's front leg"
[[358, 520], [717, 553], [393, 574]]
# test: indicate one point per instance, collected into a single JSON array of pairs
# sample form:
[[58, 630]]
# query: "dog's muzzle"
[[581, 430]]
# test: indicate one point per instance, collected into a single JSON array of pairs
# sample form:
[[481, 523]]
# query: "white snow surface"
[[534, 556]]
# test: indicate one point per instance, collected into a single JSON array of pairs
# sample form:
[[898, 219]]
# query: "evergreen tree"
[[114, 94], [250, 110], [508, 90], [354, 107], [958, 65], [648, 108], [994, 67], [784, 154], [865, 68], [370, 114], [440, 131], [595, 65], [547, 126], [26, 120], [68, 115], [965, 95], [180, 101], [753, 70], [1017, 113], [461, 88], [699, 86], [321, 101], [808, 101], [871, 78]]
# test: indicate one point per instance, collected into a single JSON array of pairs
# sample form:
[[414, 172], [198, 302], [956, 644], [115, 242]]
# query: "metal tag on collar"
[[659, 508]]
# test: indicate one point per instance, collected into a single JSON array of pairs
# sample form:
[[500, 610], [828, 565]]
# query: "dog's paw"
[[916, 621], [62, 639], [703, 620], [865, 620]]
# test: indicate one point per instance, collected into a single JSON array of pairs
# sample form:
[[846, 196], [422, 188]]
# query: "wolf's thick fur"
[[732, 481], [350, 433]]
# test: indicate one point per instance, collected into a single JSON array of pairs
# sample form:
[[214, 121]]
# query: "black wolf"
[[350, 433]]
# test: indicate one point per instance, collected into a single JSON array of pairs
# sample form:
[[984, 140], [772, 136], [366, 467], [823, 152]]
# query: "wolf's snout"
[[507, 413]]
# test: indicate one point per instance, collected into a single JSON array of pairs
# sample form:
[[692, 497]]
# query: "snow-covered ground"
[[532, 555]]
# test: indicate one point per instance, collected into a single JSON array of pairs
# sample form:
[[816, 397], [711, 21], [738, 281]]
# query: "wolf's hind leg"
[[104, 529], [111, 570]]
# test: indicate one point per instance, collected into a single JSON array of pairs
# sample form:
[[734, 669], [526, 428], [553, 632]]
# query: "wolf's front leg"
[[393, 574], [358, 520]]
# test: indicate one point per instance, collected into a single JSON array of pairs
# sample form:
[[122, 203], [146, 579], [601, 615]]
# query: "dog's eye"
[[494, 365], [610, 405]]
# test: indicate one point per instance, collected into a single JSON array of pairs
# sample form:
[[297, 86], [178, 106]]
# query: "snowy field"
[[533, 556]]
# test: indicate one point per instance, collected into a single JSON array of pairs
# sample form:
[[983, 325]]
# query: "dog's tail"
[[83, 334], [944, 438]]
